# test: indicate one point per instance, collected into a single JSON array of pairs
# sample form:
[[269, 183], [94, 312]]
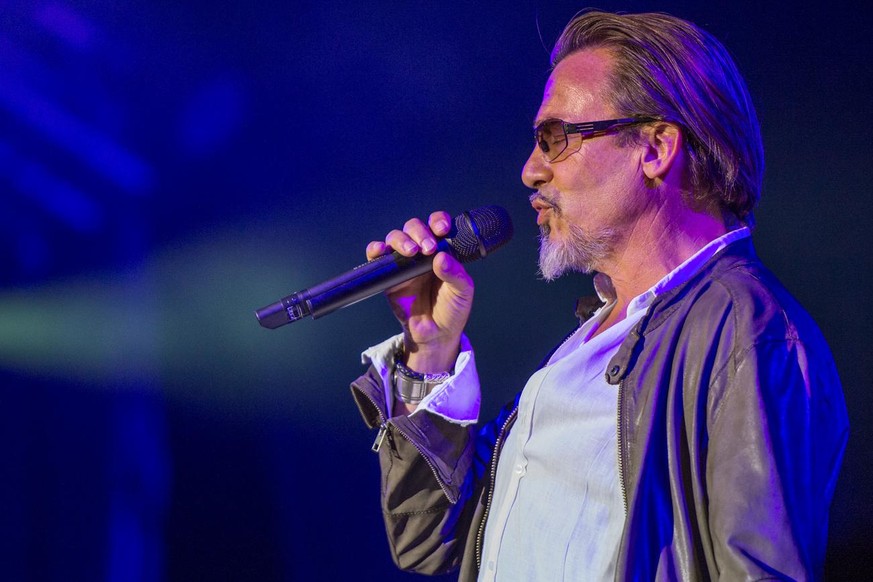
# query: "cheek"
[[593, 190], [577, 209]]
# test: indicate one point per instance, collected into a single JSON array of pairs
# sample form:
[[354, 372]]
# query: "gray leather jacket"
[[731, 431]]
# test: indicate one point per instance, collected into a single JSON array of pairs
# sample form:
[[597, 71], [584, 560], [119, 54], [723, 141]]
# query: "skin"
[[635, 190]]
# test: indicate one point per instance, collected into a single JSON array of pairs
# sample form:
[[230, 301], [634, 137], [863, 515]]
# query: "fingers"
[[376, 249], [440, 223], [415, 237]]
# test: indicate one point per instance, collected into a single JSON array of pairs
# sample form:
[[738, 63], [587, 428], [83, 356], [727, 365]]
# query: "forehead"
[[577, 87]]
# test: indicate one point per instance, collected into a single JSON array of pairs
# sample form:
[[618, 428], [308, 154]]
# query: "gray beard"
[[580, 253]]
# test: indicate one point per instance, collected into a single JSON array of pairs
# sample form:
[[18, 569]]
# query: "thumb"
[[450, 271]]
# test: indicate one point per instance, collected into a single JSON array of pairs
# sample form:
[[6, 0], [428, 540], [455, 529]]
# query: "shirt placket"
[[507, 499]]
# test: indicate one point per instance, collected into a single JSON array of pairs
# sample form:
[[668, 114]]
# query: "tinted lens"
[[550, 138]]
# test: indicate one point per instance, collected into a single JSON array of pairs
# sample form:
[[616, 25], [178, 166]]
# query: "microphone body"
[[474, 234]]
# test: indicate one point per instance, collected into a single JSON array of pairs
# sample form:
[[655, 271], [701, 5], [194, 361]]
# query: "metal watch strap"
[[411, 387]]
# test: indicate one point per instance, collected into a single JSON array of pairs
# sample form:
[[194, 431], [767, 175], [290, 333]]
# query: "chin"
[[558, 258], [580, 252]]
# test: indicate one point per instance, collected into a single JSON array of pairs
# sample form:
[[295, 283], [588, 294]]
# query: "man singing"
[[693, 425]]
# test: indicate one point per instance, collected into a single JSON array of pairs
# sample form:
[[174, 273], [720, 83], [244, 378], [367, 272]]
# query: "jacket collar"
[[738, 251]]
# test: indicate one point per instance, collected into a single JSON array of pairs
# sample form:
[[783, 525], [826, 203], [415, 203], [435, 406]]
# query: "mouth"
[[543, 207]]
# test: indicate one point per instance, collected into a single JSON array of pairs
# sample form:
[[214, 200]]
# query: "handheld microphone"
[[473, 236]]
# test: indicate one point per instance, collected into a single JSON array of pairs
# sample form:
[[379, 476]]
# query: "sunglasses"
[[553, 135]]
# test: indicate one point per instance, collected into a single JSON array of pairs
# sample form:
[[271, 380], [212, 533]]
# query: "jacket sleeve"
[[778, 428], [428, 486]]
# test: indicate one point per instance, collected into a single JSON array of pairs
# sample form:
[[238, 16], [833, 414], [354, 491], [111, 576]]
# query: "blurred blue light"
[[58, 198], [96, 149], [211, 117], [67, 25]]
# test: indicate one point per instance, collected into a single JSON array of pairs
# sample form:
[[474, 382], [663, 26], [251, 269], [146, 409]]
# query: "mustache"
[[548, 200], [551, 202]]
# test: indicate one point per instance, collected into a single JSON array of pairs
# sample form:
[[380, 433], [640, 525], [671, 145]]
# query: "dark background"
[[167, 167]]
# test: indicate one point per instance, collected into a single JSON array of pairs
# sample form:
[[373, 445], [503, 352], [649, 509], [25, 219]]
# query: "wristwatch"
[[411, 387]]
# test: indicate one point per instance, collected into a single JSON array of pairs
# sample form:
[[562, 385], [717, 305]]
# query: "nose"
[[536, 170]]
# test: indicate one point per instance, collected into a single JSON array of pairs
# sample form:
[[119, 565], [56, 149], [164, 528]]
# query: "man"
[[693, 426]]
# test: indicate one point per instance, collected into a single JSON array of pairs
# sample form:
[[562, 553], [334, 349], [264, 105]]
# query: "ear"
[[662, 143]]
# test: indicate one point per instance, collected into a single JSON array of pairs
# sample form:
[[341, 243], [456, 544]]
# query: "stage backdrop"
[[167, 168]]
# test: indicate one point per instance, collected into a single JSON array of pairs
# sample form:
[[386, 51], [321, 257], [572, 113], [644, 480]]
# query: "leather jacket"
[[731, 428]]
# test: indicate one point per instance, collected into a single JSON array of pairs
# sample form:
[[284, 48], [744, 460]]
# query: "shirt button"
[[519, 469]]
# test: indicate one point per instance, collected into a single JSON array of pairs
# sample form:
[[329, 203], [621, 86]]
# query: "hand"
[[432, 308]]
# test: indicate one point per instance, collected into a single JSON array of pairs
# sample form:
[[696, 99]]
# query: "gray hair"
[[668, 67]]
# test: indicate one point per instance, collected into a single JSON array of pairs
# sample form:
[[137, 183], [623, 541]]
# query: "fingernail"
[[409, 246], [428, 245], [441, 225]]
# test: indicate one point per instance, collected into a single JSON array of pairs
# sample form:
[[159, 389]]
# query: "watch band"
[[411, 387]]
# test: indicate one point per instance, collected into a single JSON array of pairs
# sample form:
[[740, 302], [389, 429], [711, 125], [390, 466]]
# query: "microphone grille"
[[480, 232]]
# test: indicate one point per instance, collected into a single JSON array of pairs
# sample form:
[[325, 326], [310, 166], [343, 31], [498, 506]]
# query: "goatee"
[[579, 252]]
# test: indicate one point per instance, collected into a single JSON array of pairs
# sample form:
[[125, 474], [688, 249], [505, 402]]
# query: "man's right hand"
[[432, 308]]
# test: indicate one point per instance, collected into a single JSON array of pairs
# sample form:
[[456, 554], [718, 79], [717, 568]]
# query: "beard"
[[580, 252]]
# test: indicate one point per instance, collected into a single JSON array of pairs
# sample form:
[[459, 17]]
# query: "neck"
[[654, 248]]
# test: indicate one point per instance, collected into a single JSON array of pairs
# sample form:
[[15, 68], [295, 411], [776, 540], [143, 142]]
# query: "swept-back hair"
[[665, 66]]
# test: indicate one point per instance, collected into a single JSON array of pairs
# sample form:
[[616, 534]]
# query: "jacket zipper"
[[423, 456], [383, 425], [380, 437], [383, 433], [620, 444], [498, 444]]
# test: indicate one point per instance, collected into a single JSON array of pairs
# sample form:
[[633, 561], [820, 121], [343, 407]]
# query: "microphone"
[[473, 236]]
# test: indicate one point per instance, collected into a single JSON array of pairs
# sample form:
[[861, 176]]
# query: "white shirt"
[[557, 512]]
